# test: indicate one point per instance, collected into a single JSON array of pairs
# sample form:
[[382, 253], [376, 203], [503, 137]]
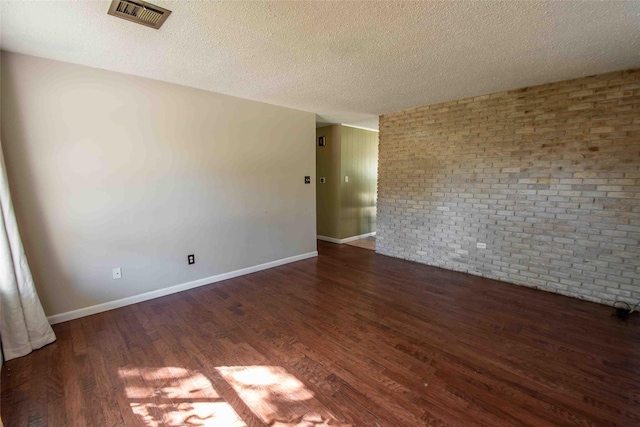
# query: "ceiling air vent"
[[139, 12]]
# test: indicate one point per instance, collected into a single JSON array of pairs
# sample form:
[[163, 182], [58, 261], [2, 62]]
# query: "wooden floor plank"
[[350, 338]]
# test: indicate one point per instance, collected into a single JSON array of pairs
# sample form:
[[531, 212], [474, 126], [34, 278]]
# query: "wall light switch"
[[117, 273], [481, 245], [346, 178]]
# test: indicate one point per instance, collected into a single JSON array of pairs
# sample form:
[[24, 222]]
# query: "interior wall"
[[359, 161], [328, 193], [110, 170], [346, 209], [548, 177]]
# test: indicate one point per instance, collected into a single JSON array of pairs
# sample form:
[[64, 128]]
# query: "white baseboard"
[[99, 308], [345, 240], [328, 239]]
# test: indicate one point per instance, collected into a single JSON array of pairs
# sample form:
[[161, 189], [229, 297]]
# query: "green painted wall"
[[346, 209], [359, 161], [328, 194]]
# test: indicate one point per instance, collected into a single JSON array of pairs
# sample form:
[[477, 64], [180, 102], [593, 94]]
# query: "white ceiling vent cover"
[[139, 12]]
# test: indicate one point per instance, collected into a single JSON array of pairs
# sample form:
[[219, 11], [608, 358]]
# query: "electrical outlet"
[[191, 259], [481, 245], [307, 180], [117, 273]]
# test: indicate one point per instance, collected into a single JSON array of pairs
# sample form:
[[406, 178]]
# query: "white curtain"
[[23, 325]]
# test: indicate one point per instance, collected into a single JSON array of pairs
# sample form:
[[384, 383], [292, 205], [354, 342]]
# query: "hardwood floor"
[[349, 338], [364, 243]]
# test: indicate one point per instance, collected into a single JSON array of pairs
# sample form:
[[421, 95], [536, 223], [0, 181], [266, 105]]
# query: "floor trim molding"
[[346, 239], [99, 308]]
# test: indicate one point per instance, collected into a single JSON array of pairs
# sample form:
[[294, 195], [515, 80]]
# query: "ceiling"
[[347, 62]]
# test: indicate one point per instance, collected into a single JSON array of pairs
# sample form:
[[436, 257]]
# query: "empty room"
[[314, 213]]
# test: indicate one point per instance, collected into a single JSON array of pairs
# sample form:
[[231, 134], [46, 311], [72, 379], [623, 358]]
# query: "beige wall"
[[346, 209], [110, 170], [547, 176]]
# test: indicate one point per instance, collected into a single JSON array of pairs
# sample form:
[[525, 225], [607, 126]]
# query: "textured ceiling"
[[345, 61]]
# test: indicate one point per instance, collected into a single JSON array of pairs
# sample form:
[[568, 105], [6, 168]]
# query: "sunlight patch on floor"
[[276, 397], [170, 396], [364, 243]]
